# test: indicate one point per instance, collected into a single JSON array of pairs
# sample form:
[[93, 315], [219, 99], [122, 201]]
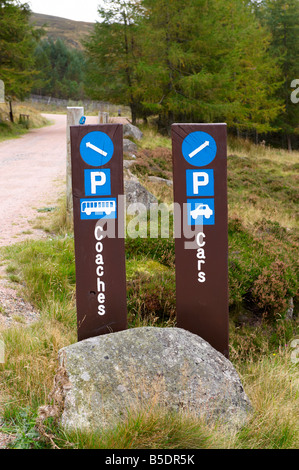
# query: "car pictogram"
[[201, 210]]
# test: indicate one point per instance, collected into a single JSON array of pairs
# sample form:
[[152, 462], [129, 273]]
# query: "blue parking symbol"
[[201, 211], [199, 148], [200, 182], [96, 148], [97, 182], [99, 208]]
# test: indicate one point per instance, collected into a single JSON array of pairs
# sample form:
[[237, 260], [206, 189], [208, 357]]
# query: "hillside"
[[72, 32]]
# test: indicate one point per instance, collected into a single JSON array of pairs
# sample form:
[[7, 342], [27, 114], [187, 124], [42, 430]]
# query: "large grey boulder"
[[132, 131], [104, 377], [138, 196]]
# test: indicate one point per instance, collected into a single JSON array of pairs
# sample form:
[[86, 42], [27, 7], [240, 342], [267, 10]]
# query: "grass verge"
[[9, 130]]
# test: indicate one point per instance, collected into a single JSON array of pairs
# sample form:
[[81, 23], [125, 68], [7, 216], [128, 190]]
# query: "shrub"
[[151, 298]]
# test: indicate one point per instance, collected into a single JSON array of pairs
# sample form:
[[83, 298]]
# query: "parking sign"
[[97, 177], [201, 245]]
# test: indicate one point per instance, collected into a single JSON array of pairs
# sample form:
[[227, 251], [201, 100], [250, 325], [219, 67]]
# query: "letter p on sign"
[[199, 179], [98, 178]]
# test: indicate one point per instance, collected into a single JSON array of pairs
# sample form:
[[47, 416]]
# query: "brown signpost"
[[97, 180], [201, 240]]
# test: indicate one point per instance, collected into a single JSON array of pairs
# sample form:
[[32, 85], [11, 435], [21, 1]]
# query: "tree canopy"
[[200, 61], [17, 45], [282, 19], [61, 70]]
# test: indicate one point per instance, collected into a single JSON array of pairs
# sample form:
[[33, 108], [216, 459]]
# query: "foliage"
[[113, 52], [17, 43], [61, 70], [168, 60], [281, 17]]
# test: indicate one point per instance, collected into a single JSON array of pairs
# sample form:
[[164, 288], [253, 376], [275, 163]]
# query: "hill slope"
[[72, 32]]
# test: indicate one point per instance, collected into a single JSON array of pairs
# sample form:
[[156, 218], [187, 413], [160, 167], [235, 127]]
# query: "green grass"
[[151, 427], [263, 276], [10, 130]]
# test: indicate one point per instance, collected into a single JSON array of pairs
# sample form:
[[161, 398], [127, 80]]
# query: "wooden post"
[[103, 117], [98, 197], [201, 240], [74, 115]]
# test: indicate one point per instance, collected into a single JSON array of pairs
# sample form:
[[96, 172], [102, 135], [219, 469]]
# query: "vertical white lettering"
[[199, 239]]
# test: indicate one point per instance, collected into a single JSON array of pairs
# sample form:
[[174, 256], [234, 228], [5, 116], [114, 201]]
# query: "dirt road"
[[29, 168]]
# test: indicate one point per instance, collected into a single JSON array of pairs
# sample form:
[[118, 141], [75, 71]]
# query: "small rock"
[[128, 176], [128, 163], [290, 310], [157, 179], [132, 131], [129, 147]]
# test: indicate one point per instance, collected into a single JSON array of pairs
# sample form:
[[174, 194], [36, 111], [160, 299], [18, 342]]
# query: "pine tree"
[[61, 70], [207, 60], [17, 44], [113, 53], [282, 19]]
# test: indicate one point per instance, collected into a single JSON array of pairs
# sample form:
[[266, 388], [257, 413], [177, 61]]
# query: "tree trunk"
[[134, 114], [289, 140], [10, 112]]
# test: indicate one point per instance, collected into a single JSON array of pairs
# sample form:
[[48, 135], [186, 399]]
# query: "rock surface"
[[132, 131], [128, 163], [108, 375], [138, 195], [157, 179], [129, 147]]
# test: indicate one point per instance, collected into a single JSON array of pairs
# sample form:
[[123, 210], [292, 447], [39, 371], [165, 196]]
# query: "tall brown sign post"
[[97, 180], [201, 244]]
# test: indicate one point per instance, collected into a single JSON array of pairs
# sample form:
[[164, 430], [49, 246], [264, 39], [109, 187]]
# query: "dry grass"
[[30, 362]]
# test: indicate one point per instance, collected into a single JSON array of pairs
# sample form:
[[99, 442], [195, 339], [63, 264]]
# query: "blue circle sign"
[[199, 148], [96, 148]]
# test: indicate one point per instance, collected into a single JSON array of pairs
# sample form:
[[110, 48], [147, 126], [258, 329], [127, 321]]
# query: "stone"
[[129, 176], [290, 310], [132, 131], [138, 196], [129, 147], [158, 179], [128, 163], [109, 375]]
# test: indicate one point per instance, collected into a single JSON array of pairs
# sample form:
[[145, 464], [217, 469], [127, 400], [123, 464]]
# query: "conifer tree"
[[113, 54], [208, 61], [17, 44], [282, 19]]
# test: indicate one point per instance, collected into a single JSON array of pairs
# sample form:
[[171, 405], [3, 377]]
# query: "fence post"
[[74, 115], [103, 117], [2, 92]]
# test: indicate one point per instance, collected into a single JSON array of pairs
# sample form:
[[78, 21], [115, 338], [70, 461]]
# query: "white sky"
[[78, 10]]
